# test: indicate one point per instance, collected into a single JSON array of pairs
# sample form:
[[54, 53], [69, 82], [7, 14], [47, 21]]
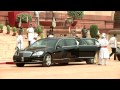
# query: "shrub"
[[8, 27], [39, 29], [1, 26], [23, 30], [14, 29], [93, 31]]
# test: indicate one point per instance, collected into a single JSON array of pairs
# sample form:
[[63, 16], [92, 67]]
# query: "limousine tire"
[[90, 61], [20, 64], [47, 60]]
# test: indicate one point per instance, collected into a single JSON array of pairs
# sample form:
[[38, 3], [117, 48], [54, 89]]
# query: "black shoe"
[[99, 64]]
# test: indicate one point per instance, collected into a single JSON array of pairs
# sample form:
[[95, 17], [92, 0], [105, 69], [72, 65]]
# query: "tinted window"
[[61, 43], [44, 42], [90, 41], [70, 42]]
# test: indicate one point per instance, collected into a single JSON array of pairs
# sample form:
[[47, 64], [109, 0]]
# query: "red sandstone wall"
[[104, 22], [3, 16]]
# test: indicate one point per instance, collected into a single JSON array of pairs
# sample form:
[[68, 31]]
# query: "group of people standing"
[[31, 33], [103, 52], [31, 36]]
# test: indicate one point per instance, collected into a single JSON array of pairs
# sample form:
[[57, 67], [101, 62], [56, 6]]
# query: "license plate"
[[22, 59]]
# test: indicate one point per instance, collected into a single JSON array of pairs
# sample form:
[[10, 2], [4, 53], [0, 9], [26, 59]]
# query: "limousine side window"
[[60, 43], [70, 42], [90, 41], [83, 42]]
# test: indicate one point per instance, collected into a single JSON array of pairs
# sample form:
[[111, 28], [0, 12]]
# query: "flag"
[[69, 28], [20, 22], [27, 18], [54, 22]]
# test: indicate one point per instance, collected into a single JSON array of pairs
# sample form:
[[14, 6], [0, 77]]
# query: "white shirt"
[[50, 36], [30, 32], [113, 42], [104, 53], [103, 42], [20, 42]]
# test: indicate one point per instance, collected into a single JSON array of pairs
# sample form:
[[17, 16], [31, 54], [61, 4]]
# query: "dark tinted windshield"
[[44, 43]]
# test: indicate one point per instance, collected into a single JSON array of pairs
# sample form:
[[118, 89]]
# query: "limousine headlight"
[[38, 53]]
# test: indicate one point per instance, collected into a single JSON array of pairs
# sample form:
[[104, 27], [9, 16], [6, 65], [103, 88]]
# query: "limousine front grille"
[[24, 54]]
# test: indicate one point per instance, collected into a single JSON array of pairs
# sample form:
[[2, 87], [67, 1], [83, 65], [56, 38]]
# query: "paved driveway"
[[78, 70]]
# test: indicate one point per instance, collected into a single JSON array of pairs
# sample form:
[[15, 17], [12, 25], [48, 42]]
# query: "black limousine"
[[48, 51]]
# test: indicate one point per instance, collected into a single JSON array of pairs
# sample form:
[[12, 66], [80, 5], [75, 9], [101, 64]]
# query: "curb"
[[7, 63]]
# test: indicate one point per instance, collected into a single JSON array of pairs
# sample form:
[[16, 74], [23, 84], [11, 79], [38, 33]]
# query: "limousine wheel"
[[47, 60], [90, 61], [20, 64]]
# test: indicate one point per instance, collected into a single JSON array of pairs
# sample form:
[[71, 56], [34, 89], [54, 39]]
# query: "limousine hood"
[[35, 48]]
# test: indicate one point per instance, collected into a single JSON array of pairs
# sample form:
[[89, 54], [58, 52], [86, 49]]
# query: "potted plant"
[[23, 30], [1, 28], [14, 31], [8, 29], [23, 19], [39, 30]]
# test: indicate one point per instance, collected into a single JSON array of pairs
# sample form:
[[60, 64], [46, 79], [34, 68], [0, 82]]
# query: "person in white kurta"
[[30, 33], [19, 44], [104, 53], [113, 45]]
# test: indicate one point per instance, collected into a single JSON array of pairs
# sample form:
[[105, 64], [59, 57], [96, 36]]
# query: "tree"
[[75, 14]]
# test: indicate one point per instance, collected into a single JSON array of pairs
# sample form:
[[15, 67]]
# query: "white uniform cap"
[[103, 35]]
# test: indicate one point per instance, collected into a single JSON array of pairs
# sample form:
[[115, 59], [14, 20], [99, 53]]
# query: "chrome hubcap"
[[48, 60]]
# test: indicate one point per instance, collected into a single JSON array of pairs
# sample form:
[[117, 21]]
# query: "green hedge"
[[93, 31]]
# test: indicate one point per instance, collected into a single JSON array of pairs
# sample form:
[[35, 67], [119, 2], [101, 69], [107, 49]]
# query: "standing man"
[[19, 44], [84, 32], [30, 34], [104, 53], [37, 14], [50, 32], [113, 45]]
